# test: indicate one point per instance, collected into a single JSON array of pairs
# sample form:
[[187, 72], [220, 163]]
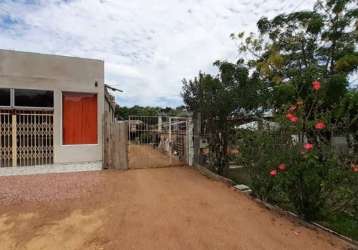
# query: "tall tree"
[[293, 50], [231, 95]]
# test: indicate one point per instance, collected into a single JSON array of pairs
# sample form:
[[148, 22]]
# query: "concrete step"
[[243, 188]]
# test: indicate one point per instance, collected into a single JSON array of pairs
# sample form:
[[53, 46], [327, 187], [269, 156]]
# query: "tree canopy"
[[122, 113], [276, 70], [292, 50]]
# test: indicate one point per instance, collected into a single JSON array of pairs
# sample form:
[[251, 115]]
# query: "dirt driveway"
[[145, 156], [165, 208]]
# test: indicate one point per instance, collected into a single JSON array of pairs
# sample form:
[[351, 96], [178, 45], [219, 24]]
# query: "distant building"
[[256, 125]]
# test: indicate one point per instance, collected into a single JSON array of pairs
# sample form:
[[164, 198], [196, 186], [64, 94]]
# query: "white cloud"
[[148, 46], [122, 70]]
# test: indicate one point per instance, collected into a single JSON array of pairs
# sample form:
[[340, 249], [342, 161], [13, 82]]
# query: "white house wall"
[[58, 74]]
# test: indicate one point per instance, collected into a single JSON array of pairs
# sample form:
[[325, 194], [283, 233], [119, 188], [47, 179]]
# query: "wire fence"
[[157, 141]]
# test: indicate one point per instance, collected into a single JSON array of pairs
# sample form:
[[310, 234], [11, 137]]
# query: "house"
[[51, 109]]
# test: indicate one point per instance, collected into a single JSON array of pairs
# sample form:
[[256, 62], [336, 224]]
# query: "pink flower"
[[292, 117], [320, 125], [282, 167], [308, 146], [355, 168], [316, 85], [273, 172]]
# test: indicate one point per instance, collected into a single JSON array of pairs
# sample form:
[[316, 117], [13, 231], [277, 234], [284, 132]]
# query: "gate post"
[[120, 146], [196, 137], [115, 144], [170, 140], [160, 122], [190, 142]]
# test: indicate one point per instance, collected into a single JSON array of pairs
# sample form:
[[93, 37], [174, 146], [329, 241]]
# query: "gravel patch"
[[47, 188]]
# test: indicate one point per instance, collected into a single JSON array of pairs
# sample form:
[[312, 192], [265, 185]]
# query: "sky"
[[148, 46]]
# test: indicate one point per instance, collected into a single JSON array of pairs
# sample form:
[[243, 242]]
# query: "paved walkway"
[[54, 168], [163, 208]]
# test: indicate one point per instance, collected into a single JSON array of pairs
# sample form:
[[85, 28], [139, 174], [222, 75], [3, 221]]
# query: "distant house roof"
[[255, 125]]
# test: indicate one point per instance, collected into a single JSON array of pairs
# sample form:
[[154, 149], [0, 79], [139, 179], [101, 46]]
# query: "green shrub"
[[258, 151], [313, 182]]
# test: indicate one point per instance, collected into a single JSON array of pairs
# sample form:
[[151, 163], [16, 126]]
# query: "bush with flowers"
[[300, 66], [296, 166]]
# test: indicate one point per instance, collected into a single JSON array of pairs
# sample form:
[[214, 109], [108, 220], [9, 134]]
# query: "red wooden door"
[[79, 118]]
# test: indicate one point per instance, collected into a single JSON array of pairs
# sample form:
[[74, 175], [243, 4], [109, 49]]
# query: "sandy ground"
[[145, 156], [162, 208]]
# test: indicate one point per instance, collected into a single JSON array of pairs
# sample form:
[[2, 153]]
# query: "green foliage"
[[214, 99], [304, 186], [343, 223], [233, 94], [346, 112], [347, 63], [310, 180], [122, 113], [277, 71], [289, 53], [296, 48], [258, 152], [314, 182], [283, 93]]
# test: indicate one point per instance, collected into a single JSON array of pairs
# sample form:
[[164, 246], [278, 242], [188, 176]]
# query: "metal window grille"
[[5, 139], [26, 138]]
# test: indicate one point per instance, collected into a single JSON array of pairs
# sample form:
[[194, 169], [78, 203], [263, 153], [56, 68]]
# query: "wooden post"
[[14, 140], [115, 148], [196, 137], [106, 141], [121, 161], [170, 140], [189, 142]]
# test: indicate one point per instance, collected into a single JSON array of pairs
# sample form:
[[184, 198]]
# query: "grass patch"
[[239, 175], [342, 223]]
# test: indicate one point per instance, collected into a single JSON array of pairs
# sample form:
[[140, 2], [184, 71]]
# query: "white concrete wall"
[[59, 74]]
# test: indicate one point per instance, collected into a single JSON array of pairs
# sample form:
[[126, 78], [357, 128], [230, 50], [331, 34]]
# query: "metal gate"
[[158, 141], [26, 138]]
